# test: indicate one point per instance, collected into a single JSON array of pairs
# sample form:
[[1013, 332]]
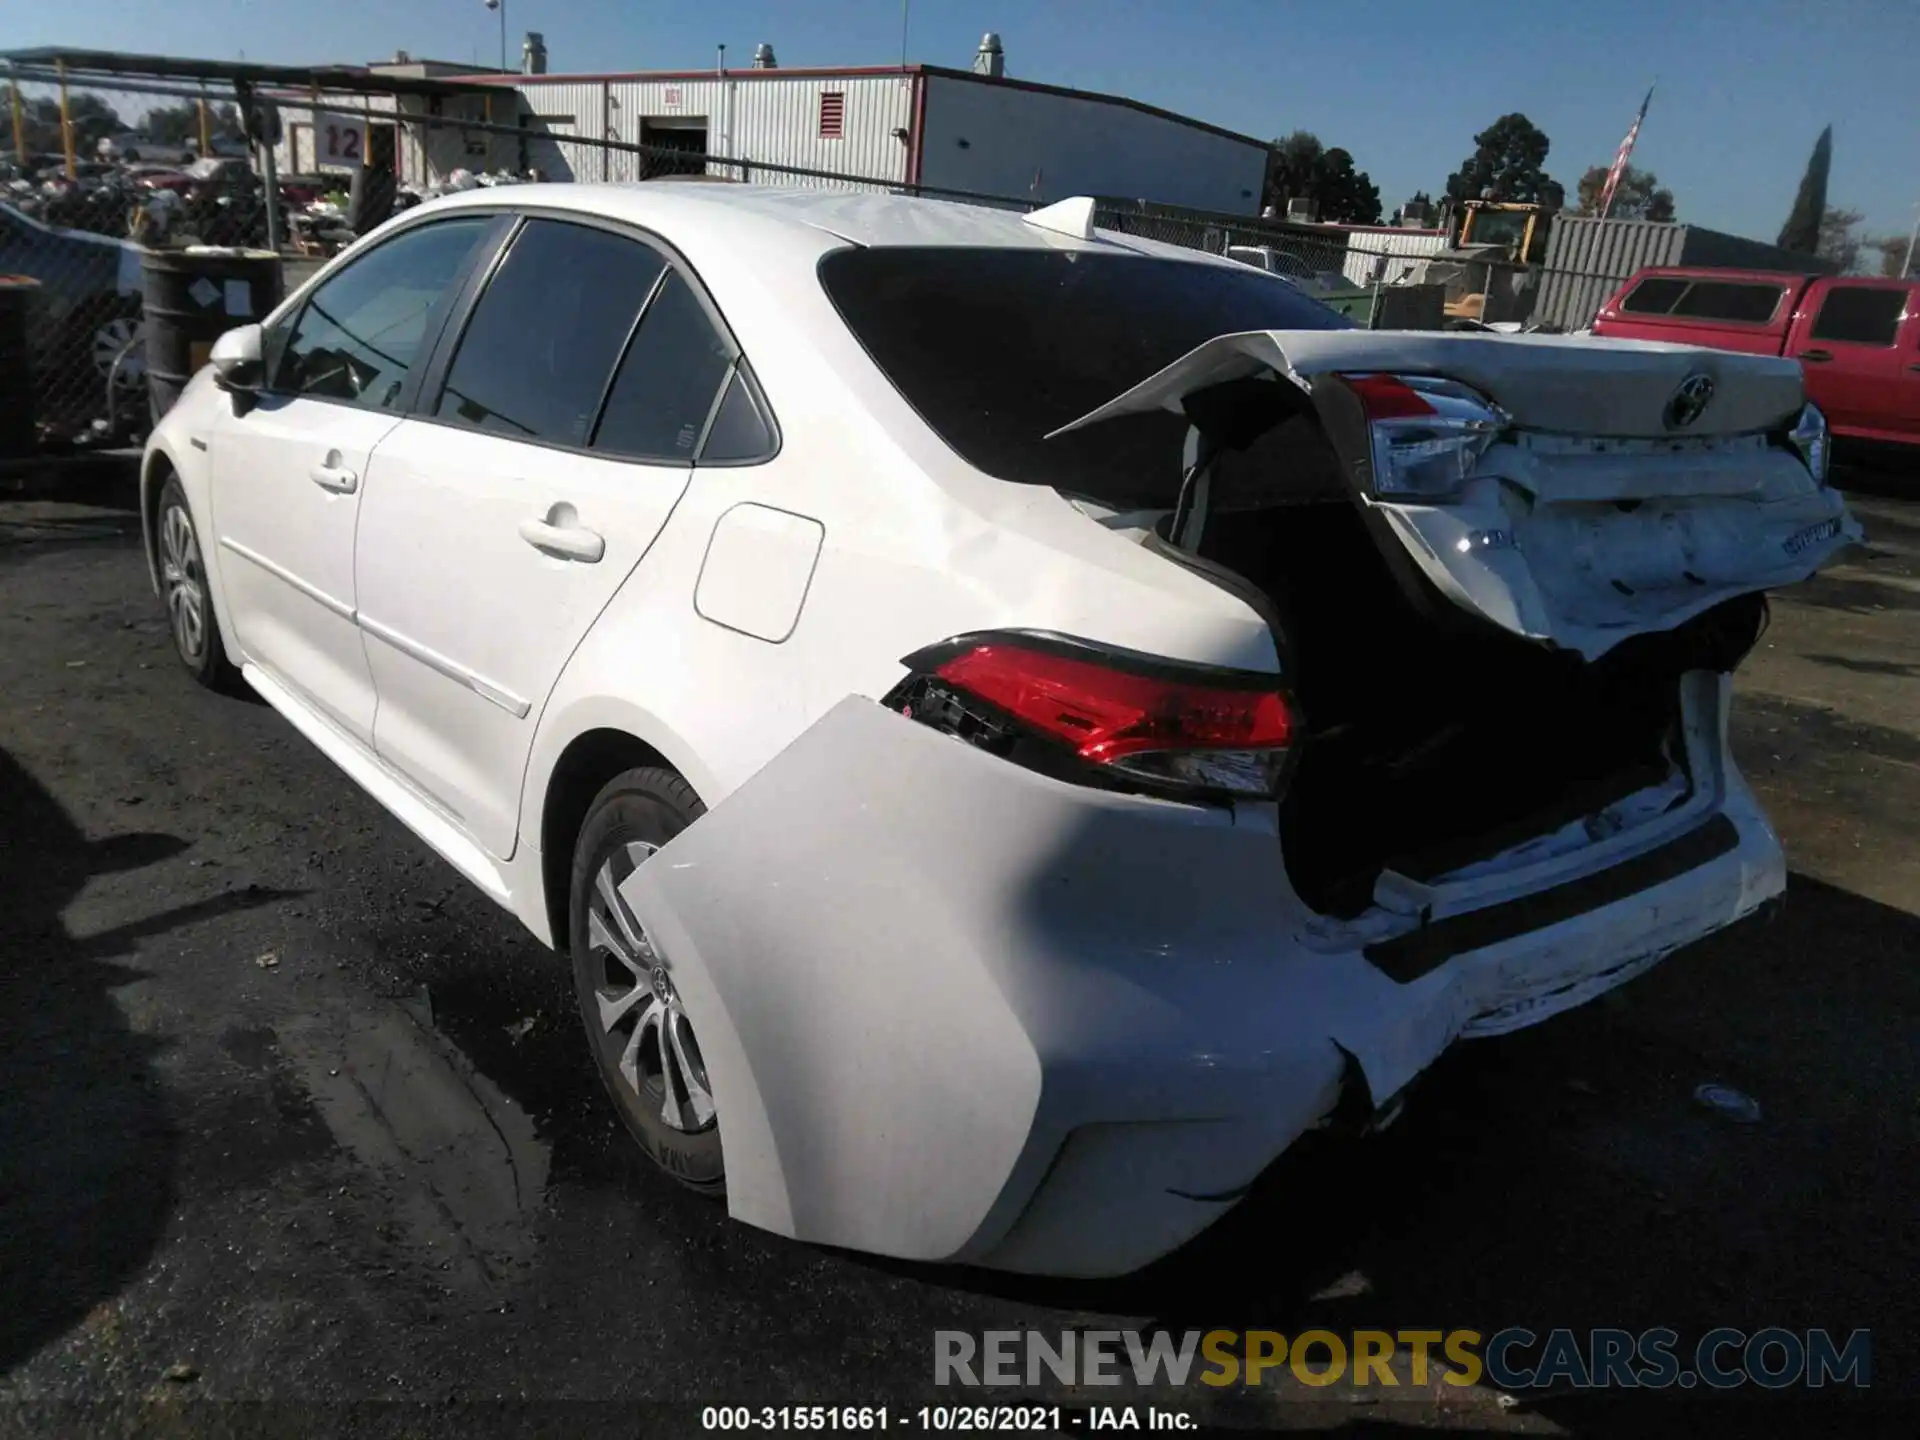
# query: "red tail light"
[[1388, 397], [1193, 729]]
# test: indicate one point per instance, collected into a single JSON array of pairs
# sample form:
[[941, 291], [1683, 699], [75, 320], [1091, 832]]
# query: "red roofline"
[[495, 77]]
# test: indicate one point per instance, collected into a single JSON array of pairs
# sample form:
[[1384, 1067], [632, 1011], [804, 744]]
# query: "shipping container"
[[1588, 258]]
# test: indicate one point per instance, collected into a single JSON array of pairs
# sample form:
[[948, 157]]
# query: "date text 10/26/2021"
[[1033, 1419]]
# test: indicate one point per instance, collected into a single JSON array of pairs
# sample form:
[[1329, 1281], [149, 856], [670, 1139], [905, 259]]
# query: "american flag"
[[1620, 161]]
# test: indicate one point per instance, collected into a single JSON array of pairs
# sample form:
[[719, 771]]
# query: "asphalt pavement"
[[298, 1133]]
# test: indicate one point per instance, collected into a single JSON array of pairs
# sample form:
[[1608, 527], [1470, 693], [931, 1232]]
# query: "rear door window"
[[668, 379], [1861, 315], [541, 346]]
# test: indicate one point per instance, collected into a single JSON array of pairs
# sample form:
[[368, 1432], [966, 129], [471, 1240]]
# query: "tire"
[[646, 1053], [191, 623]]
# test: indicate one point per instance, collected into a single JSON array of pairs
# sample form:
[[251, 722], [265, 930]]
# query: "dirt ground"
[[292, 1120]]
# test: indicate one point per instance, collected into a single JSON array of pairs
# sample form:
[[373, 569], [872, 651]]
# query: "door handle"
[[569, 542], [1816, 357], [1915, 369], [336, 478]]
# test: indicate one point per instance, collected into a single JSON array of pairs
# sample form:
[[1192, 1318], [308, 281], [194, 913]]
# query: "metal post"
[[1905, 269], [66, 122], [206, 129], [261, 134], [19, 127]]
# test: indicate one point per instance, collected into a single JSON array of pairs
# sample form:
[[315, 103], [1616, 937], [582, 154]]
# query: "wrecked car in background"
[[1011, 724]]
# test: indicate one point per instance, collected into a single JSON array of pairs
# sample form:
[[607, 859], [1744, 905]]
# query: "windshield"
[[995, 348]]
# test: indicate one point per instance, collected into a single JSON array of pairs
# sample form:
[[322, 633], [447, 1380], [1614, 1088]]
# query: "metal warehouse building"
[[924, 126]]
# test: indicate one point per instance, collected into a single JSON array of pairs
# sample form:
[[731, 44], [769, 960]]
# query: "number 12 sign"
[[342, 142]]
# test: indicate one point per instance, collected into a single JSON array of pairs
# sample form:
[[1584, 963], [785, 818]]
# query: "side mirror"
[[235, 358]]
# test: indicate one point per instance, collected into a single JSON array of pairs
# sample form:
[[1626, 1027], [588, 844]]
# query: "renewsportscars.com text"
[[1515, 1358]]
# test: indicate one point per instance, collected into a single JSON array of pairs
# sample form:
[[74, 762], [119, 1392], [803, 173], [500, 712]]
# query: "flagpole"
[[1618, 172]]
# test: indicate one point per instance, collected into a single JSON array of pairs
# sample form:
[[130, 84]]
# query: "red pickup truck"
[[1858, 340]]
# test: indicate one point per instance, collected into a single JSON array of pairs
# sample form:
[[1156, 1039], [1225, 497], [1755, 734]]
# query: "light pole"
[[1907, 269], [501, 6]]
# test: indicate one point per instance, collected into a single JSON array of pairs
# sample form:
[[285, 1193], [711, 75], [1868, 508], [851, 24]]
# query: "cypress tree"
[[1801, 233]]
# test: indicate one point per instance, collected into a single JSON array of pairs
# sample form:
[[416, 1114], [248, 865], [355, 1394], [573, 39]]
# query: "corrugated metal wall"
[[775, 120], [779, 121], [1587, 258], [1365, 247], [568, 108], [1736, 252], [1004, 140]]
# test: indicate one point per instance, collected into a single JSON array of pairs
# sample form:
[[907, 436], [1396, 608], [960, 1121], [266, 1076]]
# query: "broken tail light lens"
[[1426, 433], [1810, 440], [1171, 728]]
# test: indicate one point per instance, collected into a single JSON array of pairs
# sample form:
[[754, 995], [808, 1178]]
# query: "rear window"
[[1733, 301], [995, 348], [1653, 297], [1742, 304]]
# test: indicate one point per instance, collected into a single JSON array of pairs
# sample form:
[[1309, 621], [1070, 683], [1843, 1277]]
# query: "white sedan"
[[1011, 724]]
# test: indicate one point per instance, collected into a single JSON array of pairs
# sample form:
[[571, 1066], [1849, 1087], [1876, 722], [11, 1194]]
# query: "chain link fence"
[[94, 175], [87, 183], [1389, 279]]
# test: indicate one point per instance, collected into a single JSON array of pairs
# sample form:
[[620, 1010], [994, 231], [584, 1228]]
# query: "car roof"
[[696, 216]]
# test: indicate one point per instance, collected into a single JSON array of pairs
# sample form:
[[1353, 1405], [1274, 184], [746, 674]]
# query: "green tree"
[[1638, 196], [1801, 233], [93, 118], [1892, 250], [173, 124], [1301, 168], [1346, 195], [1839, 240], [1292, 165], [1508, 160]]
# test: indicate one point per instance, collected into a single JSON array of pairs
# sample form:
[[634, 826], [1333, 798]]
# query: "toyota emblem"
[[1690, 401]]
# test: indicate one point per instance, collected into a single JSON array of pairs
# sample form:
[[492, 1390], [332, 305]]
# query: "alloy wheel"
[[643, 1030], [109, 340], [184, 583]]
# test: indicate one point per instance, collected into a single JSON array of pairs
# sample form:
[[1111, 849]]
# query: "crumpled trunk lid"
[[1569, 384], [1604, 510]]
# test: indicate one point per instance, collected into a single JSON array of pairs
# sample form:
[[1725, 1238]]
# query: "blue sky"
[[1745, 85]]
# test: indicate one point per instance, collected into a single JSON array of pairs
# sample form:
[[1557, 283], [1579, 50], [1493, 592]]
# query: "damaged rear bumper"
[[955, 1010]]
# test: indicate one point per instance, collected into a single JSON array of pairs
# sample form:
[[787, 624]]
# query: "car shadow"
[[87, 1147], [1565, 1176], [1885, 471], [1893, 669], [1851, 595], [107, 479]]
